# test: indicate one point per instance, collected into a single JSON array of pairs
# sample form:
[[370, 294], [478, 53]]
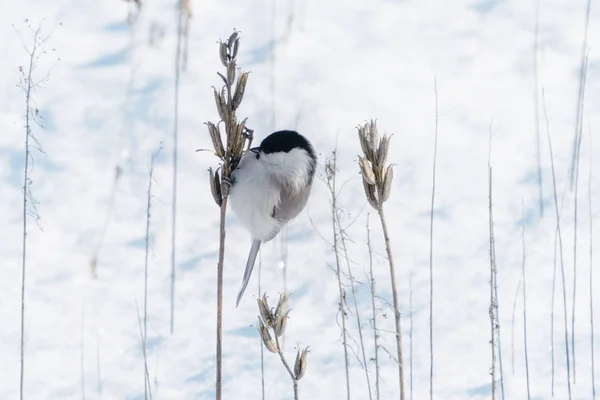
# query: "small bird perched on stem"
[[271, 186]]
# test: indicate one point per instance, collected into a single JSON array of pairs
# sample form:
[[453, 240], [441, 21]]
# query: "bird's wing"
[[290, 204]]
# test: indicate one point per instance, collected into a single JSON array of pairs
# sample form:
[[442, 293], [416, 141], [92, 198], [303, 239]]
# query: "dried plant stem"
[[147, 388], [552, 308], [27, 85], [220, 296], [287, 367], [82, 354], [180, 17], [342, 236], [98, 368], [562, 267], [147, 242], [496, 337], [410, 332], [331, 174], [431, 246], [525, 305], [579, 118], [580, 123], [374, 310], [536, 106], [492, 309], [262, 345], [512, 326], [388, 248], [591, 277]]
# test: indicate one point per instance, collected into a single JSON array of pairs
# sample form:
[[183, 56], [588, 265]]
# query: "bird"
[[269, 187]]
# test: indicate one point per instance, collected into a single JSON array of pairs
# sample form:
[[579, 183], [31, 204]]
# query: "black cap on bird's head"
[[285, 141]]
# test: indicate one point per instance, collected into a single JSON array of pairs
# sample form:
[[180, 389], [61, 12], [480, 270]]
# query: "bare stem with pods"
[[377, 179], [227, 100], [271, 326]]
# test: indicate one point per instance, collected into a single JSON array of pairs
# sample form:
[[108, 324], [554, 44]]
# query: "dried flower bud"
[[382, 152], [270, 344], [231, 73], [371, 194], [215, 186], [240, 88], [232, 38], [215, 136], [282, 304], [366, 170], [223, 53], [236, 46], [300, 364], [362, 139], [387, 184], [280, 323], [373, 136], [265, 312], [221, 106]]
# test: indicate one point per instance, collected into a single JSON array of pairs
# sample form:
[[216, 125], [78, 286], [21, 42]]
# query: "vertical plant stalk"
[[562, 267], [496, 337], [591, 278], [262, 345], [28, 209], [492, 309], [525, 304], [180, 16], [388, 249], [410, 332], [147, 388], [377, 179], [147, 242], [227, 100], [374, 310], [98, 368], [82, 354], [431, 247], [536, 106], [186, 9], [512, 326], [576, 201], [579, 118], [552, 312], [330, 173], [342, 235]]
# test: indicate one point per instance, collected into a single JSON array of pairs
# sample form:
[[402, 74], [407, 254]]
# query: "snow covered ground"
[[109, 101]]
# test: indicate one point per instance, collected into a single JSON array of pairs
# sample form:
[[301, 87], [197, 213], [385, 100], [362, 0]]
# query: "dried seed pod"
[[236, 46], [221, 107], [282, 304], [270, 344], [371, 194], [215, 186], [280, 323], [232, 38], [223, 54], [215, 136], [240, 88], [362, 139], [373, 136], [378, 171], [265, 312], [387, 184], [382, 153], [231, 73], [366, 170], [222, 77], [300, 364]]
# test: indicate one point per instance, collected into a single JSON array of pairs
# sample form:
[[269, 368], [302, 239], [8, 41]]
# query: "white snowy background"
[[109, 101]]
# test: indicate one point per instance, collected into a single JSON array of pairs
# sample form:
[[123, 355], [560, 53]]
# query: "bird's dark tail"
[[249, 267]]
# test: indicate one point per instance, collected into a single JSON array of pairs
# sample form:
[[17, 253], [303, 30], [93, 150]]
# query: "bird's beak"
[[254, 150]]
